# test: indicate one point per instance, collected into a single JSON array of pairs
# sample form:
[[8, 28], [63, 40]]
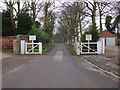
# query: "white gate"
[[90, 47], [31, 48]]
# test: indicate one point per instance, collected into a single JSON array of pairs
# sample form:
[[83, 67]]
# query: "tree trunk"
[[100, 22], [94, 14], [18, 3], [12, 19], [46, 16], [80, 27], [34, 14]]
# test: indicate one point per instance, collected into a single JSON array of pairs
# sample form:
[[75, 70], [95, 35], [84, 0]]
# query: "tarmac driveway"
[[58, 69]]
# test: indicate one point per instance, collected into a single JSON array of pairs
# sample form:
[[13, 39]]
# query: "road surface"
[[58, 69]]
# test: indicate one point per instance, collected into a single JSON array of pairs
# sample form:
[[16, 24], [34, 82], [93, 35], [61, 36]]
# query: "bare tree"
[[91, 10], [70, 20], [102, 10], [10, 7]]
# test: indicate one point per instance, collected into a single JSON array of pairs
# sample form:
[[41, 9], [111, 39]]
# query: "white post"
[[78, 48], [81, 48], [40, 47], [32, 46], [22, 46], [99, 47], [26, 48], [88, 46], [103, 45]]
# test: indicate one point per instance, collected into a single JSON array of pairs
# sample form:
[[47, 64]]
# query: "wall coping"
[[7, 36]]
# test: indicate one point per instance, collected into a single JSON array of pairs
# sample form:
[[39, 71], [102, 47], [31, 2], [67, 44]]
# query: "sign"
[[88, 36], [32, 37]]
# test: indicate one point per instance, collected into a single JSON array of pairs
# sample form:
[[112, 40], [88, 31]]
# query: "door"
[[110, 41]]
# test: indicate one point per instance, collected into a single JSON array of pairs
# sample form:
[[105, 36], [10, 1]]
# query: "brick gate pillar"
[[16, 43]]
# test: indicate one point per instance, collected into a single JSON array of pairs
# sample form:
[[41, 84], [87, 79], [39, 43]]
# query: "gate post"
[[81, 47], [78, 48], [99, 47], [40, 47], [103, 45], [22, 46]]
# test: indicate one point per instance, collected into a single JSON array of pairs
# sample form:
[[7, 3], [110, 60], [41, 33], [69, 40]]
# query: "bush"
[[41, 35]]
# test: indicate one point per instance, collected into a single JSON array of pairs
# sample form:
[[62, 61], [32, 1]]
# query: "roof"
[[106, 34]]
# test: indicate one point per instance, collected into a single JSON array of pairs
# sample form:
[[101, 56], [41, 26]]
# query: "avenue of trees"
[[79, 18], [73, 19]]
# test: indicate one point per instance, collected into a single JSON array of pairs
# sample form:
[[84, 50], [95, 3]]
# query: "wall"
[[7, 42], [109, 41], [16, 43]]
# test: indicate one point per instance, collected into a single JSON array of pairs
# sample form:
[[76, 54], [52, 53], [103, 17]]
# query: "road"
[[58, 69]]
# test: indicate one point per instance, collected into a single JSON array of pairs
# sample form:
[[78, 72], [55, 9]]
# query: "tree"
[[102, 10], [58, 38], [108, 23], [95, 35], [111, 26], [47, 13], [71, 19], [7, 27], [24, 23], [92, 10], [50, 24], [10, 7]]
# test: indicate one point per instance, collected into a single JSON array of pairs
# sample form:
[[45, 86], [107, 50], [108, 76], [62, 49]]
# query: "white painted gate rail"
[[80, 47], [87, 45], [31, 48]]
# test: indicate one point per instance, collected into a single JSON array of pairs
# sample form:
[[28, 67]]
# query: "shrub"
[[41, 35]]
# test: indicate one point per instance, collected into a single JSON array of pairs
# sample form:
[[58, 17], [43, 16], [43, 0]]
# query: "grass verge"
[[71, 49], [47, 48]]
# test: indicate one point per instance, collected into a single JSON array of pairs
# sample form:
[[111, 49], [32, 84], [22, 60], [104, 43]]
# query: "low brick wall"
[[7, 42]]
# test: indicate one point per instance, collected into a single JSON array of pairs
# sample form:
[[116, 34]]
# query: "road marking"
[[110, 73]]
